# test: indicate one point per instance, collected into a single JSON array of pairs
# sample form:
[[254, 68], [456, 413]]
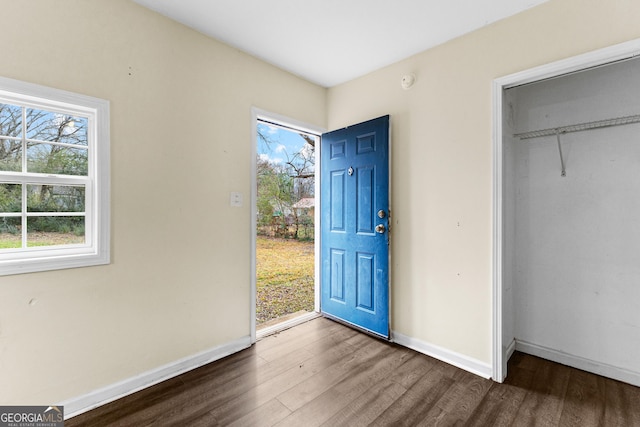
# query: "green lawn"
[[284, 277], [39, 239]]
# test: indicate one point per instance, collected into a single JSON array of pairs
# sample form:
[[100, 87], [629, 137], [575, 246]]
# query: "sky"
[[283, 143]]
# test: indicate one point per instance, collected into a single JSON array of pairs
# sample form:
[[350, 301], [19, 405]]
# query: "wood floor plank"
[[307, 390], [202, 397], [367, 407], [621, 404], [226, 369], [545, 397], [342, 394], [584, 400], [501, 403], [524, 362], [296, 337], [413, 406], [288, 379], [498, 408], [145, 404], [205, 420], [335, 337], [265, 415], [520, 378], [459, 402], [335, 376], [120, 411], [412, 370], [370, 406]]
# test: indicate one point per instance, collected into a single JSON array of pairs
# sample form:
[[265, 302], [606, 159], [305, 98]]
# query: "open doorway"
[[284, 226]]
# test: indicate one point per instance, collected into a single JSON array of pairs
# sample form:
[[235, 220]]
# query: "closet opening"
[[567, 235]]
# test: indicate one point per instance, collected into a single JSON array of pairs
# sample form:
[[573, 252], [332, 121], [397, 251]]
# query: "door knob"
[[380, 228]]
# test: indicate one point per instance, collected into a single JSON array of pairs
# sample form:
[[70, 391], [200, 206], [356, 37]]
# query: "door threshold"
[[358, 328], [289, 323]]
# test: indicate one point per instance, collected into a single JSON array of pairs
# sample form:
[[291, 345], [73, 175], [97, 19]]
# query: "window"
[[54, 179]]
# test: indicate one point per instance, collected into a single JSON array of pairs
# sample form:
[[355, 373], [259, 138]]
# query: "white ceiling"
[[330, 42]]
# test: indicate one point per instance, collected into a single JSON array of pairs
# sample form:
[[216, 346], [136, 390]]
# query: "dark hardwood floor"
[[322, 373]]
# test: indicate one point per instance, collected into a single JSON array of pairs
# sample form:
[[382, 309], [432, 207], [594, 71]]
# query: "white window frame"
[[96, 249]]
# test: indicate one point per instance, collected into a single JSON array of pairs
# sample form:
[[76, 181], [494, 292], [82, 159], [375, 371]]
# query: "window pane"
[[10, 236], [45, 158], [56, 127], [10, 120], [10, 198], [10, 155], [55, 230], [55, 198]]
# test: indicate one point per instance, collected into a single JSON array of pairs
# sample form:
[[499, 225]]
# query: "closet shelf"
[[576, 128], [579, 127]]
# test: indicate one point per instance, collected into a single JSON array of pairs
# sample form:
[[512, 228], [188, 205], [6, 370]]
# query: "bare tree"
[[296, 180], [52, 143]]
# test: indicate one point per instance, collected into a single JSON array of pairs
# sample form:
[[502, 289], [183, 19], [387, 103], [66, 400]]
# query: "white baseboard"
[[451, 357], [84, 403], [588, 365]]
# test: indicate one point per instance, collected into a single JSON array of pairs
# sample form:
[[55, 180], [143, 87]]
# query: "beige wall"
[[442, 158], [179, 279]]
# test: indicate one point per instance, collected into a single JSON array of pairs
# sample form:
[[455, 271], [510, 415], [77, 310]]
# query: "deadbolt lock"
[[381, 214]]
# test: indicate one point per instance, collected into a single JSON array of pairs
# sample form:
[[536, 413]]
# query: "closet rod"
[[579, 127]]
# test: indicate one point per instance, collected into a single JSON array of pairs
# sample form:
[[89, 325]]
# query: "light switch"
[[236, 199]]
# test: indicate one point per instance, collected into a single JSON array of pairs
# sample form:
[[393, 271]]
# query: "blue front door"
[[354, 187]]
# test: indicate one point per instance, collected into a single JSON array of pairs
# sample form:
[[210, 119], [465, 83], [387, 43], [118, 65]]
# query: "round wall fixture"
[[407, 81]]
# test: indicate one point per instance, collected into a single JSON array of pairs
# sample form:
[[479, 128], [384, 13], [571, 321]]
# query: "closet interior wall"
[[572, 244]]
